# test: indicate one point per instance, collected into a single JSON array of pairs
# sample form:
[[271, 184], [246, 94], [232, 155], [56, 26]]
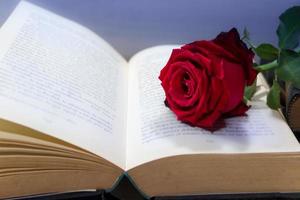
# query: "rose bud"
[[204, 81]]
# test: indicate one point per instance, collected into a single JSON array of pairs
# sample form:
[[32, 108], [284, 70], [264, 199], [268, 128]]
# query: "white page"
[[153, 131], [62, 79]]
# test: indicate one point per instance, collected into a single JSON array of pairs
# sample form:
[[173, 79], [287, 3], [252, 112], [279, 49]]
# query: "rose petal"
[[165, 70], [231, 42], [209, 48], [239, 110], [196, 59], [234, 83], [210, 120], [175, 91], [218, 98]]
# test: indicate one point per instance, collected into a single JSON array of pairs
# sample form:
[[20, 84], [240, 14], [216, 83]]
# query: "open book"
[[76, 115]]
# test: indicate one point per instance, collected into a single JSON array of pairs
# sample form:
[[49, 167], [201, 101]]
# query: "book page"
[[154, 132], [63, 80]]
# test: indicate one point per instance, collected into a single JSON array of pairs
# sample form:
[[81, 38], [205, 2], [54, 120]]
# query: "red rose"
[[204, 81]]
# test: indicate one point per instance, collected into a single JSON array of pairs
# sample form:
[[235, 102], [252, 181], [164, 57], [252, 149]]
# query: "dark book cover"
[[126, 191], [293, 109]]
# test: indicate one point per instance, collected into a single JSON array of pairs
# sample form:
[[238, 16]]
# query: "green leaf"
[[250, 91], [289, 67], [267, 52], [288, 30], [273, 98]]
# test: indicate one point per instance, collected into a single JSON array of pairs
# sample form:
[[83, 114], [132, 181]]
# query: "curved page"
[[153, 131], [61, 79]]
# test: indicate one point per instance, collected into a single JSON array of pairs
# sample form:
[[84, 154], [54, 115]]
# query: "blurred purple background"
[[131, 25]]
